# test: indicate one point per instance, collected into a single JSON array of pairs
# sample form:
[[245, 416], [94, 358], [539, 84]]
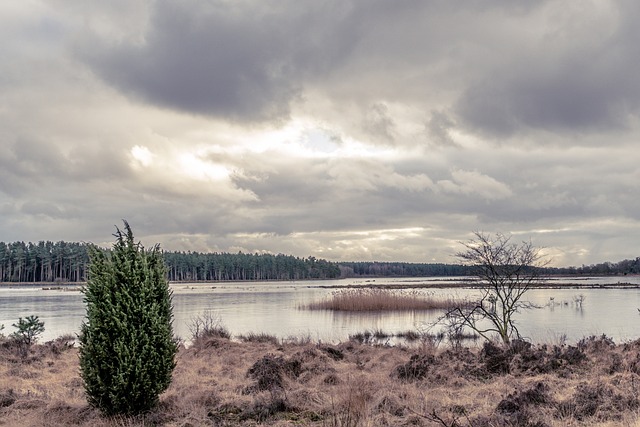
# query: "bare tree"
[[506, 271]]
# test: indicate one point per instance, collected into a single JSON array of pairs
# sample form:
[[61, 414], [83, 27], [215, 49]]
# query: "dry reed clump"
[[259, 338], [383, 300], [350, 384]]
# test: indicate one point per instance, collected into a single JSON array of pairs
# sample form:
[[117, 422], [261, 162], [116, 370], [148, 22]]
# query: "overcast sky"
[[381, 130]]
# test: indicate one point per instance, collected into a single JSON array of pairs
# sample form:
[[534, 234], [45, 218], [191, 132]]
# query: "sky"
[[343, 129]]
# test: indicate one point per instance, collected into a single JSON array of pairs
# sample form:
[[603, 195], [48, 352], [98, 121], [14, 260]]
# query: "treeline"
[[43, 262], [194, 266], [402, 269], [624, 267], [68, 261]]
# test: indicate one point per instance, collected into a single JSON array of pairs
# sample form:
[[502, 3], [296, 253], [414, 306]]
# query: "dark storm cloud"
[[239, 60], [575, 98], [578, 78], [248, 60]]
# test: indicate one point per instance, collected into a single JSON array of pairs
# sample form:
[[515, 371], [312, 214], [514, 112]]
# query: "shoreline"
[[453, 284], [470, 285], [581, 282]]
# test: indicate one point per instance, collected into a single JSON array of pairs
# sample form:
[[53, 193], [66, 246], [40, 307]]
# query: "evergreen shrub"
[[127, 347], [28, 330]]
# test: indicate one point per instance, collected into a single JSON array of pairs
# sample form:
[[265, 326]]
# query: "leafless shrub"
[[207, 325], [506, 271], [596, 343]]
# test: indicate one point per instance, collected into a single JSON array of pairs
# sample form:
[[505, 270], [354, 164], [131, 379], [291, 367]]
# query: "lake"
[[275, 308]]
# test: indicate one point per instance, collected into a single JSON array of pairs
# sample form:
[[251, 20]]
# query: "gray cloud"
[[346, 129], [239, 60], [575, 77], [438, 128], [378, 124]]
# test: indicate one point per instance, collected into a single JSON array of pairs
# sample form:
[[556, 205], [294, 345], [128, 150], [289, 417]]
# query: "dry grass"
[[221, 382], [383, 300], [259, 338]]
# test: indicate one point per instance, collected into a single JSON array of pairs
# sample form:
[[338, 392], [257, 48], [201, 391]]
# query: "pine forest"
[[64, 262]]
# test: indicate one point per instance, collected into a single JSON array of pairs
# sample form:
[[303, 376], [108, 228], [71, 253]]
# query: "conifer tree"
[[127, 348]]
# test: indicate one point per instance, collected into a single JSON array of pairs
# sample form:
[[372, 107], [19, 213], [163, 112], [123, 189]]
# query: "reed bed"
[[384, 300]]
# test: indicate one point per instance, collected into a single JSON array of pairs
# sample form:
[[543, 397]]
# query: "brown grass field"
[[363, 299], [260, 380]]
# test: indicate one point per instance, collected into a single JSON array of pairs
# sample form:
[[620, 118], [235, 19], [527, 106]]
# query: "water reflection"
[[275, 308]]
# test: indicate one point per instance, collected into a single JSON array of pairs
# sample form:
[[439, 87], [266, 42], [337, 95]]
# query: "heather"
[[259, 379]]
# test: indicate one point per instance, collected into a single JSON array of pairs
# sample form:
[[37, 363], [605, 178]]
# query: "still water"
[[275, 308]]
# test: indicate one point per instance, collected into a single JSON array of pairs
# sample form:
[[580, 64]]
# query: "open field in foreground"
[[263, 381]]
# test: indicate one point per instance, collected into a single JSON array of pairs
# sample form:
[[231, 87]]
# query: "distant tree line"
[[401, 269], [624, 267], [43, 262], [68, 261], [195, 266]]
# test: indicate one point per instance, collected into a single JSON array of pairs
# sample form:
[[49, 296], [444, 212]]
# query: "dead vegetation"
[[384, 300], [258, 381]]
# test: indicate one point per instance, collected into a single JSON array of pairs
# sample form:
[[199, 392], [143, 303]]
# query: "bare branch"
[[506, 271]]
